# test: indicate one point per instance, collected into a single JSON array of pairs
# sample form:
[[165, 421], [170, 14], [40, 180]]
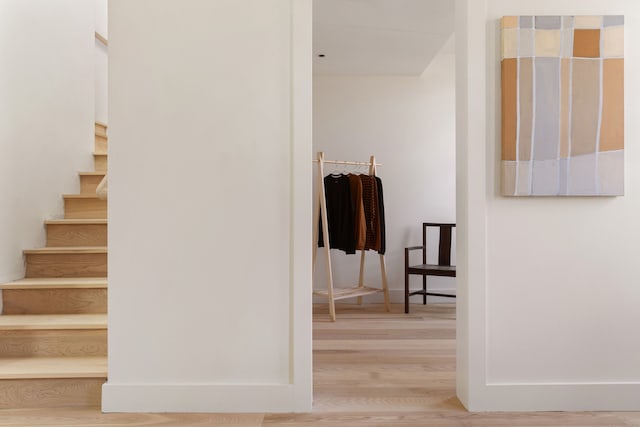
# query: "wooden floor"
[[371, 368]]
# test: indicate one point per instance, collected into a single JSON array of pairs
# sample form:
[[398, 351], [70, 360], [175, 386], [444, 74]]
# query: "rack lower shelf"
[[342, 293]]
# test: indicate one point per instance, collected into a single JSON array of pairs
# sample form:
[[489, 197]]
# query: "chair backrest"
[[444, 245]]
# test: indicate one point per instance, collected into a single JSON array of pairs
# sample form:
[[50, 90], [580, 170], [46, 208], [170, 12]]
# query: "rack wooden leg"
[[385, 287]]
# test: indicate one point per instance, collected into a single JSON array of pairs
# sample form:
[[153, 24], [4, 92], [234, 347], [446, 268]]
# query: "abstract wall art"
[[562, 106]]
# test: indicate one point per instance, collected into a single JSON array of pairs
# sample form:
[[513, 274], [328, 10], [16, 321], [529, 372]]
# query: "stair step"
[[53, 367], [100, 144], [51, 393], [76, 232], [89, 181], [57, 283], [53, 295], [59, 300], [100, 161], [77, 261], [24, 322], [53, 335], [100, 126], [84, 206]]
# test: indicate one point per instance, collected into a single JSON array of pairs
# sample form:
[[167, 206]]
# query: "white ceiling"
[[377, 37]]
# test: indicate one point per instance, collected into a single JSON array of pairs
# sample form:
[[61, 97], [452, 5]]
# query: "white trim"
[[301, 207], [562, 397], [223, 398], [471, 210]]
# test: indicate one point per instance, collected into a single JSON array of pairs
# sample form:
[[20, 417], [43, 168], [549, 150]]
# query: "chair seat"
[[433, 270]]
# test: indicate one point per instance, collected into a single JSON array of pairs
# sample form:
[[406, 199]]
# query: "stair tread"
[[56, 283], [81, 196], [75, 221], [104, 125], [52, 321], [99, 154], [67, 250], [53, 367], [102, 134], [93, 173]]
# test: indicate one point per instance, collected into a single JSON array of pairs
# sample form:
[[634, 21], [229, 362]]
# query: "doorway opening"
[[384, 85]]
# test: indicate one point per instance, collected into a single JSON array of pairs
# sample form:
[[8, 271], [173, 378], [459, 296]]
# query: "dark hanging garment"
[[340, 214], [381, 228], [360, 225], [370, 202]]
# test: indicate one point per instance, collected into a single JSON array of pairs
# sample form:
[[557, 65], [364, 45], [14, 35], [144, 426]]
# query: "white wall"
[[101, 62], [209, 267], [408, 123], [549, 302], [46, 117]]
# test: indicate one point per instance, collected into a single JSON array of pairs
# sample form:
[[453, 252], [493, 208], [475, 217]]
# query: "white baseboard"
[[232, 398], [559, 397]]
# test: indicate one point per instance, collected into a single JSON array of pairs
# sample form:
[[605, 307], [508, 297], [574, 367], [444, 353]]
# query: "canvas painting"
[[562, 105]]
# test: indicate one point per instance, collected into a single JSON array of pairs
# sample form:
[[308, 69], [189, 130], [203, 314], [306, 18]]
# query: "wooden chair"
[[443, 268]]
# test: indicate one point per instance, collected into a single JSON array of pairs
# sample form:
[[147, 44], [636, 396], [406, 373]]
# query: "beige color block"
[[588, 22], [612, 127], [523, 187], [509, 43], [508, 178], [548, 43], [585, 106], [613, 42], [509, 22], [611, 173]]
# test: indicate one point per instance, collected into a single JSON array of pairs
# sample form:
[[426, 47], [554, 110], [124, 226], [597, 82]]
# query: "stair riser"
[[53, 343], [100, 162], [89, 183], [65, 235], [100, 129], [51, 393], [85, 209], [66, 265], [100, 144], [54, 301]]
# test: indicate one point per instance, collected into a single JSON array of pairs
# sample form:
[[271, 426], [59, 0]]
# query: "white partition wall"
[[548, 289], [209, 206]]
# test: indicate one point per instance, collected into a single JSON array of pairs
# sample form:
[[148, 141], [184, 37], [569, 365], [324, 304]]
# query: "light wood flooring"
[[371, 368]]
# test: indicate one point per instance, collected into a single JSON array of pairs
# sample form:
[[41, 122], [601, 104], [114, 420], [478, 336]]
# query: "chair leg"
[[424, 289], [406, 293], [406, 281]]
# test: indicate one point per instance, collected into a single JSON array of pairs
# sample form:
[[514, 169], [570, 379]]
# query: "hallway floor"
[[371, 368]]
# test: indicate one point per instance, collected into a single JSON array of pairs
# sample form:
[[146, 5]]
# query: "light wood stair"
[[89, 181], [53, 327], [76, 232]]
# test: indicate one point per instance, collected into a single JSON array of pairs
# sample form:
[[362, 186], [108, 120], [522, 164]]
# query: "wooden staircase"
[[53, 327]]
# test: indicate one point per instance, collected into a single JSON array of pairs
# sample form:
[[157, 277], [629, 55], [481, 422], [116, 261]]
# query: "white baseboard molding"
[[232, 398], [559, 397]]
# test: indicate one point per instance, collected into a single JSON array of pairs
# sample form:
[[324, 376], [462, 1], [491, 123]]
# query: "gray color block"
[[526, 22], [613, 20], [547, 108], [548, 22]]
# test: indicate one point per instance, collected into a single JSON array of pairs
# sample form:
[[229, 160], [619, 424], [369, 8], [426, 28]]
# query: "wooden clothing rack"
[[332, 294]]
